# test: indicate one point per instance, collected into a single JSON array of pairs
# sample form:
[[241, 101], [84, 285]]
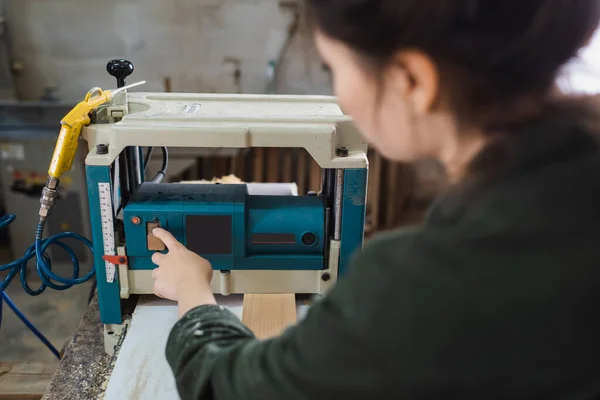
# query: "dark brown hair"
[[498, 59]]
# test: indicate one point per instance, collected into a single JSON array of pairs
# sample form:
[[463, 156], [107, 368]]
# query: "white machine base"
[[239, 282]]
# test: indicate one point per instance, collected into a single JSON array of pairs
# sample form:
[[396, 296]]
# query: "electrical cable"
[[160, 175], [147, 158]]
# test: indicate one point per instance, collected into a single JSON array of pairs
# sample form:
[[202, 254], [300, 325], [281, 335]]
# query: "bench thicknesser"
[[256, 243]]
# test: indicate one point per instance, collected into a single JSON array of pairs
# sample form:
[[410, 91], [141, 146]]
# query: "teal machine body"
[[235, 231], [228, 227]]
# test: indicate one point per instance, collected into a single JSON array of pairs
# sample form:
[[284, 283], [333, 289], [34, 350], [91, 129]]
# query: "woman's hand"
[[181, 275]]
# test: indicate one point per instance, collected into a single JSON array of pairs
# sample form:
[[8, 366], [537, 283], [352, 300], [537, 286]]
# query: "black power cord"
[[147, 158], [160, 175]]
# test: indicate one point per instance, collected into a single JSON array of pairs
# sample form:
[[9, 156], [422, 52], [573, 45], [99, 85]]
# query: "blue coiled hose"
[[32, 328], [44, 270]]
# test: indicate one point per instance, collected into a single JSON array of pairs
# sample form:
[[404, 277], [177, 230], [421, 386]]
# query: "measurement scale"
[[108, 231]]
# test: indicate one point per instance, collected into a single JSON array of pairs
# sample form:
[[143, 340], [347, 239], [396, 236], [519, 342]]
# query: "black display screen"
[[209, 234]]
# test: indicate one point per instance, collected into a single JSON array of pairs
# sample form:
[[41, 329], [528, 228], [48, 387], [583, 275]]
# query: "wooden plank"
[[258, 160], [301, 171], [288, 159], [215, 167], [141, 370], [314, 176], [273, 166], [222, 166], [25, 380], [238, 165], [268, 315]]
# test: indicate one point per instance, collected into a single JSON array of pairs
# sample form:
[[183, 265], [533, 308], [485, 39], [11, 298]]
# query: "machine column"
[[337, 204], [109, 299], [354, 199]]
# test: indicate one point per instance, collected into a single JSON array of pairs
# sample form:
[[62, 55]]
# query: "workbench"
[[142, 372], [85, 366]]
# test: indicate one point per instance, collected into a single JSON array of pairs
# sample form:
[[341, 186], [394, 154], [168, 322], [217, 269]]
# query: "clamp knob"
[[120, 69]]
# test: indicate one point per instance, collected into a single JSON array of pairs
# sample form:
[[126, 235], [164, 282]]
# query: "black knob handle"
[[120, 69]]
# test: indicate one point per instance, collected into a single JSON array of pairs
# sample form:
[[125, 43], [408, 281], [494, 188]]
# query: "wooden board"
[[301, 171], [314, 176], [141, 370], [259, 159], [238, 165], [268, 315], [288, 160], [273, 165], [25, 380]]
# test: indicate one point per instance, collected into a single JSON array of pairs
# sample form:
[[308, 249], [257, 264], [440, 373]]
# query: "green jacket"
[[496, 295]]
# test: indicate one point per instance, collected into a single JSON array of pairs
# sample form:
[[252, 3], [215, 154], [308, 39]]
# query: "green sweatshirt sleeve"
[[340, 350]]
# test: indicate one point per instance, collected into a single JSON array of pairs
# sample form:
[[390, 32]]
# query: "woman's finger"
[[157, 258], [166, 237], [156, 292]]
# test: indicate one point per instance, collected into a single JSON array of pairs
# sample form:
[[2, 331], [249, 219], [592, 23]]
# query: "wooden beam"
[[268, 315], [258, 161], [25, 380], [314, 176], [288, 159], [238, 166], [273, 167], [301, 171]]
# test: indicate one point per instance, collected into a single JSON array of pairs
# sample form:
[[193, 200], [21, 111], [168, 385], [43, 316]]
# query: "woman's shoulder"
[[547, 163]]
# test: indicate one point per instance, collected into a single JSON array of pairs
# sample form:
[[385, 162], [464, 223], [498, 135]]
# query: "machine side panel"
[[353, 215], [109, 299], [280, 225]]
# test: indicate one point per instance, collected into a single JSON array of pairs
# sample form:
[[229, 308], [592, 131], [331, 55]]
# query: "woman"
[[496, 294]]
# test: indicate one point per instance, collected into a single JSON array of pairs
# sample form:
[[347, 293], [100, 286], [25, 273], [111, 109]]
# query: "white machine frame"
[[315, 123]]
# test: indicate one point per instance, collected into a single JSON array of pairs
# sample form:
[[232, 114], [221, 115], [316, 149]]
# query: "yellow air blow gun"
[[68, 140]]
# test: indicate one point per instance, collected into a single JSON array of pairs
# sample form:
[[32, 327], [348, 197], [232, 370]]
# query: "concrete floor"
[[56, 314]]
